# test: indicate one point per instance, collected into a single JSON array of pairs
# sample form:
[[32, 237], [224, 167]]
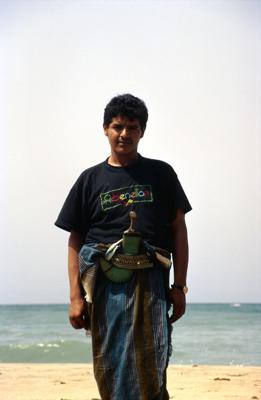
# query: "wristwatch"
[[184, 289]]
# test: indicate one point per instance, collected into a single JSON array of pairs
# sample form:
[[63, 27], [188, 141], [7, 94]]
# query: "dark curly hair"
[[126, 105]]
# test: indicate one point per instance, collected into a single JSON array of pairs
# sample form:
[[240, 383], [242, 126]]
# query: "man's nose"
[[125, 132]]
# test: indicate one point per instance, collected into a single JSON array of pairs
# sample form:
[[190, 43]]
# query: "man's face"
[[124, 135]]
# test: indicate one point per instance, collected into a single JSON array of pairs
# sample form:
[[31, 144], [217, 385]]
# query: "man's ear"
[[105, 129]]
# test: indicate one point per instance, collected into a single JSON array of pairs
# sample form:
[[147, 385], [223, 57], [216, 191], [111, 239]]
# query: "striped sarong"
[[131, 336]]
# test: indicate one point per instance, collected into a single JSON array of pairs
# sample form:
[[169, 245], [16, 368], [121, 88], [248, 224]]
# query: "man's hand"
[[77, 310], [180, 258], [178, 301], [78, 306]]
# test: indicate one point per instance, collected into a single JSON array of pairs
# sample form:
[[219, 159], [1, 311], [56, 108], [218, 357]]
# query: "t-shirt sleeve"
[[178, 196], [71, 216]]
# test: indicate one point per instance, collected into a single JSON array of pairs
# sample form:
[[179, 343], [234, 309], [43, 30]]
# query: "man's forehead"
[[121, 119]]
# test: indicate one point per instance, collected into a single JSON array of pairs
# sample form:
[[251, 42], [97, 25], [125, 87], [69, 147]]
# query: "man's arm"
[[77, 306], [180, 258]]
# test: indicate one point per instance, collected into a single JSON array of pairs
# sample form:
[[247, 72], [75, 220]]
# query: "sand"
[[76, 382]]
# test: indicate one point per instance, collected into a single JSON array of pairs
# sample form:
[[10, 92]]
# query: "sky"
[[197, 66]]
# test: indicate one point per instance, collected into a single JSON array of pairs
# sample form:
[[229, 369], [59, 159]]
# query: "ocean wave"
[[220, 334], [46, 352], [235, 305]]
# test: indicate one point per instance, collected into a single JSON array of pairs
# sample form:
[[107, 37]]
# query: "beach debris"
[[222, 379], [254, 397]]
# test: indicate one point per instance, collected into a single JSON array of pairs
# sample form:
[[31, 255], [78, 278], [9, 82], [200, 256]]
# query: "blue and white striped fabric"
[[131, 336]]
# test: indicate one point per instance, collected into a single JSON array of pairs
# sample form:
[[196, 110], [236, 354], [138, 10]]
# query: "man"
[[127, 306]]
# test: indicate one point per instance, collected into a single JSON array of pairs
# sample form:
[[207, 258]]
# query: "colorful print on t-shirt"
[[126, 196]]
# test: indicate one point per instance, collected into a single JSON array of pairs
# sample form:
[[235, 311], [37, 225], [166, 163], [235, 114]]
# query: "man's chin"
[[125, 146], [125, 151]]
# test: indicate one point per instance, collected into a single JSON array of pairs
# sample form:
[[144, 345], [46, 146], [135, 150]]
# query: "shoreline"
[[76, 382]]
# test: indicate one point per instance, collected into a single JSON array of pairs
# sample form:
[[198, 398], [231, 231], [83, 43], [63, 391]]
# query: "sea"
[[220, 334]]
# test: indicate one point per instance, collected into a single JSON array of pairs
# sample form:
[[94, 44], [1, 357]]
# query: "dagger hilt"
[[133, 217], [131, 238]]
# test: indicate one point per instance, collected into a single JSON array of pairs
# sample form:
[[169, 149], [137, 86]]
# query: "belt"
[[139, 261], [119, 260], [119, 267]]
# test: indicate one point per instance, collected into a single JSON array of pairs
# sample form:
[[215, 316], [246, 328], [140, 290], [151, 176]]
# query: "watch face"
[[185, 289]]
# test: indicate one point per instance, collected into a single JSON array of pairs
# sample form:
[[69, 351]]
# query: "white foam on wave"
[[48, 345], [235, 305], [21, 346]]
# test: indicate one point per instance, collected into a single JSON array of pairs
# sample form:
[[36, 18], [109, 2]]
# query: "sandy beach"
[[76, 382]]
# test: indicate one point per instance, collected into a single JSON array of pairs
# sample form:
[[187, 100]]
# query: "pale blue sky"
[[197, 66]]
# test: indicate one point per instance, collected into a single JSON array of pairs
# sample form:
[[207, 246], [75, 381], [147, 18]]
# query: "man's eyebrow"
[[117, 124], [120, 125]]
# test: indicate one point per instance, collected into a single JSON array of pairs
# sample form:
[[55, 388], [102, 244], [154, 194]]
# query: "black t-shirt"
[[99, 202]]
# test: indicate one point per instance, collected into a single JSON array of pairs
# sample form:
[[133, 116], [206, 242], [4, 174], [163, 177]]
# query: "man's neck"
[[122, 161]]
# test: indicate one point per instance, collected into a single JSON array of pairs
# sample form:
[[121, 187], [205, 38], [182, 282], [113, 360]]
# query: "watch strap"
[[182, 288]]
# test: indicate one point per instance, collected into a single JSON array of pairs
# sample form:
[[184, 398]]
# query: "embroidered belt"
[[139, 261], [120, 267]]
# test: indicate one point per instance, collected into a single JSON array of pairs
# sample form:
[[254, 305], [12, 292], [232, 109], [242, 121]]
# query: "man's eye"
[[118, 127]]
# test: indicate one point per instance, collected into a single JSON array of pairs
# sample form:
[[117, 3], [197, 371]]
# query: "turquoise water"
[[224, 334]]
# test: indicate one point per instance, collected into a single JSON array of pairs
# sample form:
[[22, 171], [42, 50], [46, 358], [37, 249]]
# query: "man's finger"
[[77, 323], [174, 318], [177, 314]]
